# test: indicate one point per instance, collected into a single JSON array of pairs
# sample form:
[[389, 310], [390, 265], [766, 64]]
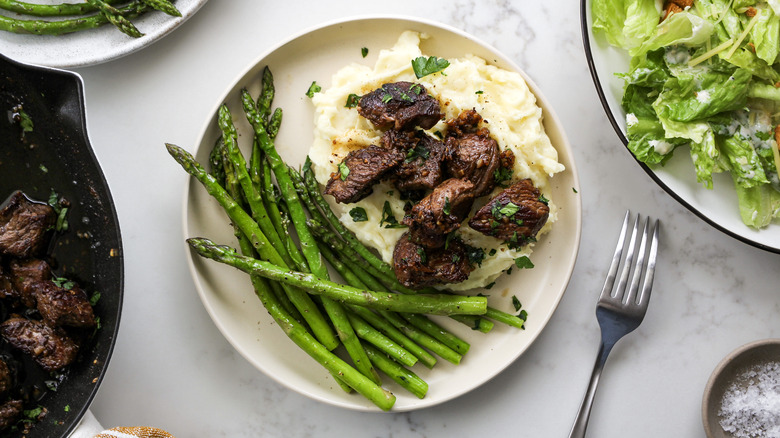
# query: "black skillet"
[[56, 156]]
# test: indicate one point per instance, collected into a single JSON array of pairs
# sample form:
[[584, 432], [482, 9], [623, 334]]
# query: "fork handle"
[[583, 414]]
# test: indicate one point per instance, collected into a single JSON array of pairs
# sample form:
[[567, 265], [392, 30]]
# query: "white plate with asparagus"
[[416, 376], [77, 34]]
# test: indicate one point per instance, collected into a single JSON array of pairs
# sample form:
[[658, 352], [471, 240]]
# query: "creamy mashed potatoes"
[[501, 97]]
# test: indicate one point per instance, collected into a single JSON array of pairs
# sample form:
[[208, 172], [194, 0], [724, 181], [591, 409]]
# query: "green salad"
[[704, 78]]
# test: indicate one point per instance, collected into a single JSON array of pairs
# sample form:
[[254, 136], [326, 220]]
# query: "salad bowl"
[[718, 206]]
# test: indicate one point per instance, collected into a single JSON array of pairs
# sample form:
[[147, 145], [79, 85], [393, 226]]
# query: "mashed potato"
[[501, 97]]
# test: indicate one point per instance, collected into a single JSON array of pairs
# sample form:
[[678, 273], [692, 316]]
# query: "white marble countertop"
[[173, 369]]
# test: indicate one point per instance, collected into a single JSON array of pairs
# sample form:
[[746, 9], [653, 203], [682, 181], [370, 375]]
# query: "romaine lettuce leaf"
[[746, 168], [681, 28], [758, 205], [765, 34], [625, 23], [702, 94]]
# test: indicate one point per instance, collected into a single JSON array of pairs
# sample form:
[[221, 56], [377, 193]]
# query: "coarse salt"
[[750, 407]]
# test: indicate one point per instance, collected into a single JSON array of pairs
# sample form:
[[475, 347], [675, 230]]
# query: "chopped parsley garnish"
[[43, 168], [364, 51], [343, 171], [490, 286], [543, 200], [63, 282], [447, 207], [421, 253], [94, 298], [313, 88], [479, 92], [418, 151], [352, 101], [423, 66], [574, 190], [24, 120], [492, 252], [455, 258], [523, 315], [516, 303], [502, 175], [358, 214], [388, 218], [416, 89], [509, 209], [387, 97], [33, 414], [475, 255], [523, 262], [60, 209]]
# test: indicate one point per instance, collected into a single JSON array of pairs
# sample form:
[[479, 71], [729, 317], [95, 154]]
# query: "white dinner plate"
[[227, 294], [718, 207], [93, 46]]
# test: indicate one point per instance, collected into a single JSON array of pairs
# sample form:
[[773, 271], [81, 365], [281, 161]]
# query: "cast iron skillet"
[[57, 156]]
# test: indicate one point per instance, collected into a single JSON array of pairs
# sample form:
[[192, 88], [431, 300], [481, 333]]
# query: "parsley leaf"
[[516, 303], [388, 218], [358, 214], [364, 51], [313, 88], [423, 66], [352, 101], [418, 151], [60, 208], [343, 171], [523, 262], [447, 207], [63, 283]]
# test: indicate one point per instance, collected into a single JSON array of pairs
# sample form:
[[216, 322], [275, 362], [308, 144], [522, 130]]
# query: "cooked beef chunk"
[[474, 155], [10, 413], [7, 289], [6, 378], [400, 105], [514, 215], [422, 168], [23, 226], [417, 267], [26, 275], [60, 306], [440, 213], [49, 347], [360, 170]]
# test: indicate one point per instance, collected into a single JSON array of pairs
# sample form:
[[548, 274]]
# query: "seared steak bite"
[[26, 275], [6, 378], [400, 105], [422, 169], [7, 289], [474, 155], [23, 226], [360, 170], [64, 306], [440, 213], [514, 215], [49, 347], [10, 413], [417, 267]]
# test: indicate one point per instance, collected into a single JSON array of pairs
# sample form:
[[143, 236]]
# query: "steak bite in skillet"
[[417, 267], [360, 170], [514, 215], [10, 412], [422, 168], [26, 275], [65, 305], [473, 154], [400, 105], [6, 378], [440, 213], [50, 347], [23, 226]]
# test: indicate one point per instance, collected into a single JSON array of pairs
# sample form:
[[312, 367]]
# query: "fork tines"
[[644, 264]]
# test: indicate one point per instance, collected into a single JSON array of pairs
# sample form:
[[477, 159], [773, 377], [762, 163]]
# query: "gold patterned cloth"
[[134, 432]]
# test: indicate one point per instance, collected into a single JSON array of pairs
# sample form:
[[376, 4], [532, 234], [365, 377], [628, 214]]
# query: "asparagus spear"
[[54, 10], [163, 6], [407, 379], [439, 304], [59, 27], [261, 244], [115, 17]]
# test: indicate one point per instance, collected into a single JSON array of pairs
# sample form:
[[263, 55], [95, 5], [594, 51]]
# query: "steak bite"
[[400, 105], [7, 289], [6, 377], [440, 213], [10, 413], [514, 215], [26, 276], [422, 169], [474, 155], [417, 267], [50, 347], [23, 226], [64, 306], [360, 170]]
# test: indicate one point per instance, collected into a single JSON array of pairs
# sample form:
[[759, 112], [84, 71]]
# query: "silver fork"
[[621, 309]]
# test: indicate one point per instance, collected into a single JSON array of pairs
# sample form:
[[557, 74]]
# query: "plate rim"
[[585, 30], [548, 114]]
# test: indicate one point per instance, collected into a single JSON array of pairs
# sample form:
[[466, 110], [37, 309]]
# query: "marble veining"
[[173, 369]]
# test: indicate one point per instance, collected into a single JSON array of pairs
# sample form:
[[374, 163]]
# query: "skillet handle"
[[88, 427]]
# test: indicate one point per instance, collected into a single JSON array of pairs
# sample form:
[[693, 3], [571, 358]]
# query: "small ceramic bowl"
[[728, 370]]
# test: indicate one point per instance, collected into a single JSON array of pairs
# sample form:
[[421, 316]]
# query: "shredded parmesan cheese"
[[742, 36], [710, 53]]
